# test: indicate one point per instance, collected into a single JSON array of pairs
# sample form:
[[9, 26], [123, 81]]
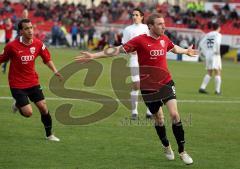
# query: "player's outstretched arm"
[[189, 51], [51, 66], [109, 52]]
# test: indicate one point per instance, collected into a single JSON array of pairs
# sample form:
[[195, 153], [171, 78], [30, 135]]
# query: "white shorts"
[[134, 67], [214, 63]]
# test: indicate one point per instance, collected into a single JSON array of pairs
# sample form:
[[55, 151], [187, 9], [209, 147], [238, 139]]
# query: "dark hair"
[[141, 13], [215, 26], [151, 18], [21, 22]]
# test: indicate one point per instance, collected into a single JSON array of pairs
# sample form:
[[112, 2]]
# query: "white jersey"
[[210, 48], [133, 31], [129, 33]]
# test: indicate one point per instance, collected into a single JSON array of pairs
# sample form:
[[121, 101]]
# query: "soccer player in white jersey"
[[137, 28], [210, 49]]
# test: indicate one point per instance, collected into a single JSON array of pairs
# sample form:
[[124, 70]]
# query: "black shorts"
[[21, 96], [155, 99]]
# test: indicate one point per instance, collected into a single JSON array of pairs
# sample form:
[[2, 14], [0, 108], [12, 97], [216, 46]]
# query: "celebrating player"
[[156, 84], [23, 79]]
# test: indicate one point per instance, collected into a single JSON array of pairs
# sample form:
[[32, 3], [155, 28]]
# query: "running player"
[[22, 77]]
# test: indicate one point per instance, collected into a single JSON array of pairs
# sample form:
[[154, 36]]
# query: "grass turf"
[[211, 125]]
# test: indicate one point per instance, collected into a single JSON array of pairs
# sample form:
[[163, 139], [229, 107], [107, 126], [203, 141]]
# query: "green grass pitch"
[[211, 125]]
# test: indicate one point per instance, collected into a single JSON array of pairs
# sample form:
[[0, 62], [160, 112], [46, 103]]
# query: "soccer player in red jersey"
[[8, 28], [22, 77], [156, 84]]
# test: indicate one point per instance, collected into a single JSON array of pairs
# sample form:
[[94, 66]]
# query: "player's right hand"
[[192, 52], [59, 75], [85, 57]]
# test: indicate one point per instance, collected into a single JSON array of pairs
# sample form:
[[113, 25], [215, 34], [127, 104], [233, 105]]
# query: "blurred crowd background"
[[99, 24]]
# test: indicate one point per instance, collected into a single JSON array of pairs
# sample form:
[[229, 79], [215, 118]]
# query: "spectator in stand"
[[184, 43], [103, 41], [234, 15], [111, 37], [74, 33], [55, 34], [7, 6], [82, 36], [238, 55], [24, 16], [63, 35], [226, 7], [91, 32], [236, 24], [104, 18]]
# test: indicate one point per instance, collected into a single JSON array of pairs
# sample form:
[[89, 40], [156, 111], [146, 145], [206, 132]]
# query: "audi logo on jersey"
[[27, 58], [157, 52]]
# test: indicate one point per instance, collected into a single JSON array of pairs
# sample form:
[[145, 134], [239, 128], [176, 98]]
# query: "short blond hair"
[[152, 17]]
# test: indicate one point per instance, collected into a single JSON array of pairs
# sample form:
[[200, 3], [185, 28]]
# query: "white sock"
[[218, 81], [148, 112], [134, 101], [206, 79]]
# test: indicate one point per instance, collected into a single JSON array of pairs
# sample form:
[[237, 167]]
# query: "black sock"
[[47, 122], [161, 131], [179, 135]]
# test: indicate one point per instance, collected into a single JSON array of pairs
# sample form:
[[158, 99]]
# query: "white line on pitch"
[[109, 100]]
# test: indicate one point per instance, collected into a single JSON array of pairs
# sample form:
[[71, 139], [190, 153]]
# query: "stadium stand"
[[44, 15]]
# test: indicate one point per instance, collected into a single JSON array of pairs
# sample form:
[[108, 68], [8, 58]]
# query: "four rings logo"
[[157, 52], [27, 58]]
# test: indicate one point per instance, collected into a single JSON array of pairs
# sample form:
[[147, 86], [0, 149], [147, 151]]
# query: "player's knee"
[[175, 117], [27, 113], [159, 119]]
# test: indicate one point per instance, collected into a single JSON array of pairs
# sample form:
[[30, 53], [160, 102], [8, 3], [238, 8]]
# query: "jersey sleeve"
[[131, 46], [218, 43], [125, 37], [201, 43], [146, 29], [44, 53], [5, 55], [170, 44]]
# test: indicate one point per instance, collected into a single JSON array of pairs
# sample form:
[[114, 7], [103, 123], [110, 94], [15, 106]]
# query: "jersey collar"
[[154, 37], [21, 41]]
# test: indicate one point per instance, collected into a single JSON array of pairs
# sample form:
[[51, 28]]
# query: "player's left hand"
[[192, 52]]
